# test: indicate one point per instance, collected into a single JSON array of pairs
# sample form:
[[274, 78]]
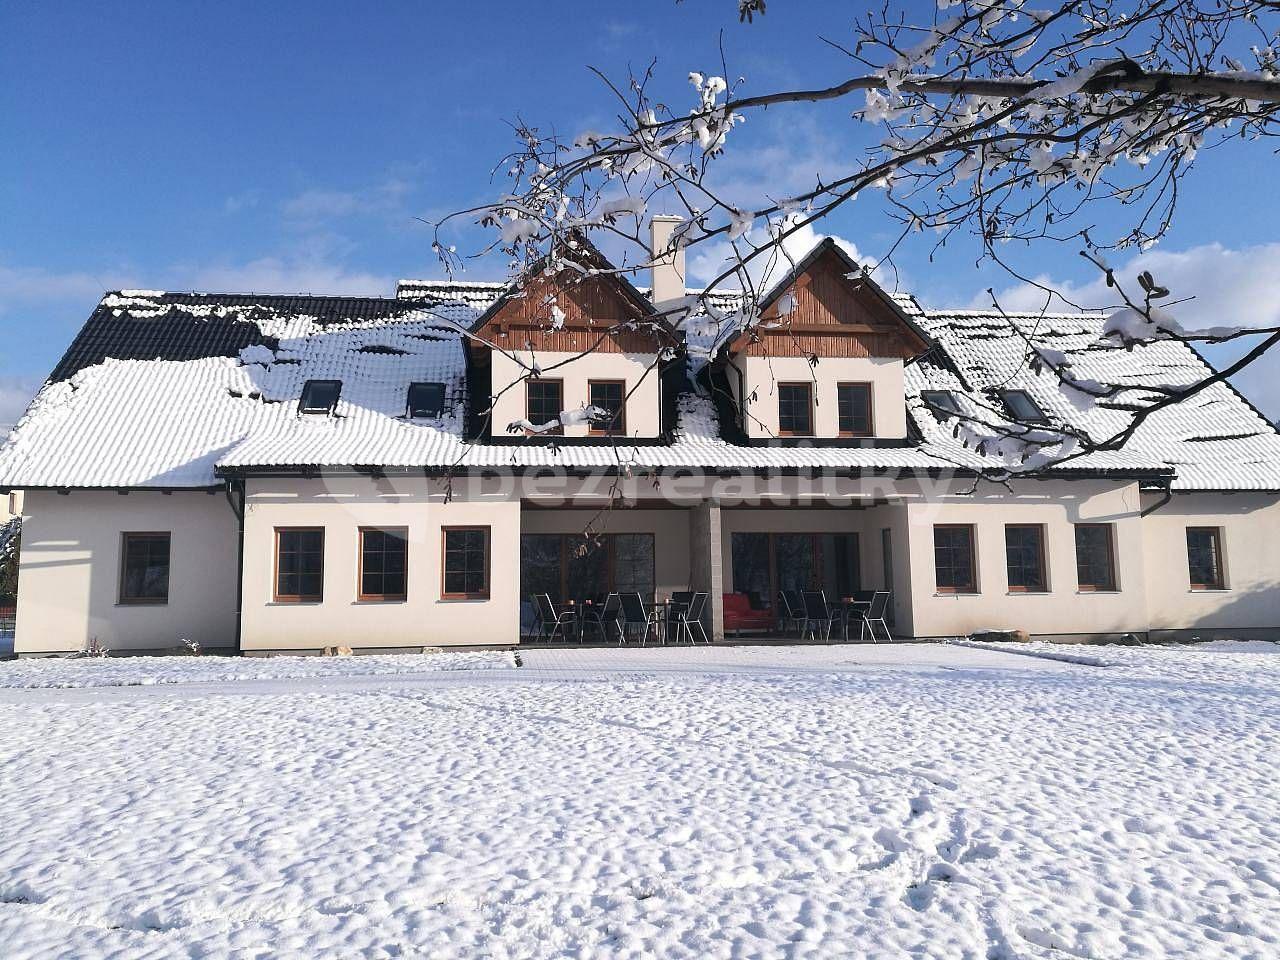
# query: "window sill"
[[1028, 593], [463, 598], [1097, 593], [378, 601], [1209, 590], [958, 593], [142, 603], [295, 603]]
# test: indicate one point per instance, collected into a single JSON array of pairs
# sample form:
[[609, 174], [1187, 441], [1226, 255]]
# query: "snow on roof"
[[165, 389]]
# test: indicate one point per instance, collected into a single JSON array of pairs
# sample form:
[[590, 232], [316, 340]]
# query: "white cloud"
[[280, 275], [311, 205], [25, 285]]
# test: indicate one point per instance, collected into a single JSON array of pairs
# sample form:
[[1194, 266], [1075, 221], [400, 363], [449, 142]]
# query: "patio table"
[[849, 608]]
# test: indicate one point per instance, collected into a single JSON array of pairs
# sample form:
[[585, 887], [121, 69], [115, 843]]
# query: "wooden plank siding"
[[832, 316], [592, 306]]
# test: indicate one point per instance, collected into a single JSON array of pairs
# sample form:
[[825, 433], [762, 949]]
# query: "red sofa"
[[740, 615]]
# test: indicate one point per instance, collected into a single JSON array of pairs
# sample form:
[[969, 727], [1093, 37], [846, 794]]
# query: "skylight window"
[[943, 403], [1020, 404], [426, 401], [320, 396]]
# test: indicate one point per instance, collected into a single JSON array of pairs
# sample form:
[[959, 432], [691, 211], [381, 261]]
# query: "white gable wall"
[[761, 374]]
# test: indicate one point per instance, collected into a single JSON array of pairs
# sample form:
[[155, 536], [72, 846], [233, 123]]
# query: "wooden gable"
[[593, 308], [821, 311]]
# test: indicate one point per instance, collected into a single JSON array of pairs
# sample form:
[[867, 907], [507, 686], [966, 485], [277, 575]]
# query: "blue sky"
[[291, 147]]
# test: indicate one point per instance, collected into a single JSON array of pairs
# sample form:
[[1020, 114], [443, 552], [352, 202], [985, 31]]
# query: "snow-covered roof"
[[166, 390]]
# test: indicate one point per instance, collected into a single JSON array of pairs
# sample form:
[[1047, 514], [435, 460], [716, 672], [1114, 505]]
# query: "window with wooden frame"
[[1095, 558], [384, 564], [1204, 558], [144, 568], [795, 409], [610, 395], [853, 409], [299, 564], [465, 563], [1025, 558], [954, 562], [544, 401]]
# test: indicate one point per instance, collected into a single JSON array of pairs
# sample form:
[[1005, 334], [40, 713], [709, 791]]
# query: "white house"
[[272, 473]]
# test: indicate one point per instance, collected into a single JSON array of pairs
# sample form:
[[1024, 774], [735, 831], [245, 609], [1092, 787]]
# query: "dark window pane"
[[1022, 407], [609, 395], [794, 409], [540, 565], [1024, 551], [319, 396], [795, 561], [426, 400], [299, 564], [953, 559], [751, 565], [1095, 569], [941, 402], [145, 574], [853, 401], [633, 559], [383, 562], [465, 562], [545, 401], [1204, 558]]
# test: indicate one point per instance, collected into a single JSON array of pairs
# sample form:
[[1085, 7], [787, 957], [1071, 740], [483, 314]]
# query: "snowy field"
[[920, 801]]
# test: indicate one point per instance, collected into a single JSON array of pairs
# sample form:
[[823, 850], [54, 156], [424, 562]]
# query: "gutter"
[[1167, 496], [237, 485]]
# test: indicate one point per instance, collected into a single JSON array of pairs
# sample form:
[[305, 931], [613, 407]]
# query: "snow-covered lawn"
[[756, 802]]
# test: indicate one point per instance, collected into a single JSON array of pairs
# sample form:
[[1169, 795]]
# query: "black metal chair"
[[636, 617], [854, 614], [817, 615], [877, 613], [606, 617], [689, 618], [790, 610], [551, 621]]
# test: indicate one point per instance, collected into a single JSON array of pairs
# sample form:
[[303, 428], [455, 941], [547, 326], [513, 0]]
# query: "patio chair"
[[689, 618], [854, 614], [606, 617], [790, 610], [682, 597], [876, 615], [817, 615], [551, 622], [636, 617]]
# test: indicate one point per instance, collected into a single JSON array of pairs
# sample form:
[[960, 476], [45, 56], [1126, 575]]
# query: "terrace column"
[[705, 564]]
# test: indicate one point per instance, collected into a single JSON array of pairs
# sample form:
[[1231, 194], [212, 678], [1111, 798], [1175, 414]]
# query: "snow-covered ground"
[[924, 801]]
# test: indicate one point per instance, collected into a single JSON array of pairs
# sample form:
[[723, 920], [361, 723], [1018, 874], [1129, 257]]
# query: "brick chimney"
[[668, 265]]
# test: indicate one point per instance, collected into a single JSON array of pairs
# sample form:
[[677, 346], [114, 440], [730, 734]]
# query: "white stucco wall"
[[341, 507], [1063, 610], [637, 370], [760, 374], [69, 578], [1249, 528]]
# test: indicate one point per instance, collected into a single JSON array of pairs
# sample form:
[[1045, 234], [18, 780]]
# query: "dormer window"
[[1021, 406], [426, 401], [943, 403], [320, 396], [795, 409]]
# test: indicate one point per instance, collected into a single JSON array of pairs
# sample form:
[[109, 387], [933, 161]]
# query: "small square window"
[[795, 409], [299, 564], [466, 563], [544, 402], [853, 407], [320, 396], [942, 403], [1022, 407], [426, 401], [610, 395], [144, 568]]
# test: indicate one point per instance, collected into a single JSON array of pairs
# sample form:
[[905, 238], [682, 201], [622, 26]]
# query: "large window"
[[574, 567], [466, 563], [299, 564], [609, 395], [853, 403], [764, 563], [1204, 558], [953, 558], [544, 401], [384, 564], [795, 409], [144, 568], [1095, 557], [1024, 553]]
